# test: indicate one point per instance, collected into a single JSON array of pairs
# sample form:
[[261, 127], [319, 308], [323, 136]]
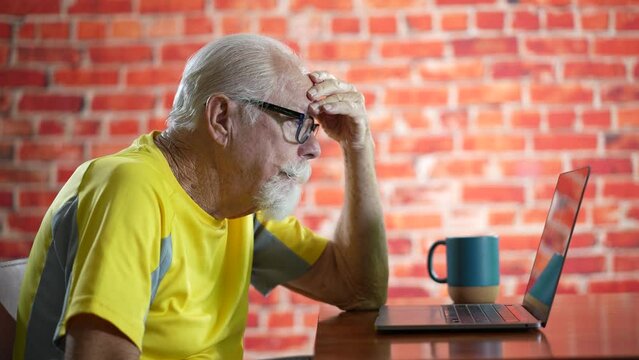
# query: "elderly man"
[[148, 253]]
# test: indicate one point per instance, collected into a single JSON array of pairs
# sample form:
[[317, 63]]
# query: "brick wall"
[[476, 106]]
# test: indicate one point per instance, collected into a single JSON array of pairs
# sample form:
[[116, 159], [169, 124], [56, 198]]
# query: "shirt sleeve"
[[120, 220], [284, 250]]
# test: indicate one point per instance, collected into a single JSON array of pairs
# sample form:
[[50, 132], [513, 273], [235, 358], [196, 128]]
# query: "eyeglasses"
[[305, 124]]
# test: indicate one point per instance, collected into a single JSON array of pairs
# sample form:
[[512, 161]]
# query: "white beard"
[[280, 194]]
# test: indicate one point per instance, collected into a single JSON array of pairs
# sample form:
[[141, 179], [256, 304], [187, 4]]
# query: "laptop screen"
[[553, 246]]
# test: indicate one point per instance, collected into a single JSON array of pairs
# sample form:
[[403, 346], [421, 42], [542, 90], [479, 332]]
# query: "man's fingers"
[[329, 87], [352, 102]]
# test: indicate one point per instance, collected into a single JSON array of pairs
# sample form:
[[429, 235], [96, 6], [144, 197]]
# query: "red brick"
[[124, 127], [164, 26], [454, 22], [256, 297], [622, 190], [245, 4], [180, 52], [22, 77], [39, 199], [617, 46], [413, 220], [5, 30], [85, 77], [414, 194], [91, 30], [621, 93], [492, 143], [27, 31], [605, 3], [456, 168], [50, 150], [50, 102], [302, 300], [626, 263], [607, 165], [495, 93], [485, 46], [596, 118], [560, 20], [594, 20], [280, 319], [518, 242], [4, 53], [233, 24], [10, 249], [100, 6], [273, 25], [198, 25], [120, 54], [154, 76], [584, 265], [170, 6], [24, 223], [585, 69], [342, 25], [98, 149], [623, 141], [115, 102], [382, 25], [489, 119], [273, 342], [402, 292], [633, 213], [560, 94], [606, 215], [86, 127], [464, 2], [376, 73], [451, 70], [525, 20], [613, 286], [57, 30], [51, 127], [416, 96], [420, 144], [410, 271], [565, 142], [582, 240], [501, 217], [48, 54], [412, 49], [30, 7], [394, 169], [561, 120], [627, 20], [399, 246], [10, 174], [515, 266], [557, 46], [522, 69], [419, 22], [339, 50], [126, 29], [321, 4], [490, 20], [6, 199], [546, 2], [493, 193], [628, 118], [526, 168], [16, 128], [329, 196]]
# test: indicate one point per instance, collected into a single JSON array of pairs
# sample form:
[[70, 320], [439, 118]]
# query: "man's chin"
[[279, 206]]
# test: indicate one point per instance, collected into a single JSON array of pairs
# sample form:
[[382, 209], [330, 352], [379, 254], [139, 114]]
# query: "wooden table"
[[580, 326]]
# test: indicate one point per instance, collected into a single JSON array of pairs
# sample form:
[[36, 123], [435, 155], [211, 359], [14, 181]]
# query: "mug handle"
[[431, 272]]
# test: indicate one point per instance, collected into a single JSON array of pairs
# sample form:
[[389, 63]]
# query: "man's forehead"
[[294, 92]]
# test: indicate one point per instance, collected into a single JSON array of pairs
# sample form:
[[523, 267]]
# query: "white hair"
[[279, 195], [242, 67]]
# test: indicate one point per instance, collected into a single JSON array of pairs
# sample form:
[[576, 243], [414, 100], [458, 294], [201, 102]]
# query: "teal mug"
[[472, 264]]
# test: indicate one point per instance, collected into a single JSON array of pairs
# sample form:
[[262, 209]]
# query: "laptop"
[[533, 312]]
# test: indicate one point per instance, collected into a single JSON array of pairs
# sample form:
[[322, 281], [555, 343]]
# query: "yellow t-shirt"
[[123, 241]]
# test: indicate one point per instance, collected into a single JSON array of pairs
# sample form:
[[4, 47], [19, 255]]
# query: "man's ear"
[[218, 113]]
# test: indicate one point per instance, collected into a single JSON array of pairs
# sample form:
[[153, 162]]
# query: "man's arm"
[[90, 337], [352, 273]]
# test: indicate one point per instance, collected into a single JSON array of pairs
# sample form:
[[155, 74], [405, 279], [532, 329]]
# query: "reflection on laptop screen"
[[553, 246]]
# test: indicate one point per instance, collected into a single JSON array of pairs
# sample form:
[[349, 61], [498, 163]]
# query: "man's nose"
[[310, 149]]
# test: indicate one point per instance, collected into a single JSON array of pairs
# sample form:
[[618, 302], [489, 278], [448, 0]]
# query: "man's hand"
[[339, 108]]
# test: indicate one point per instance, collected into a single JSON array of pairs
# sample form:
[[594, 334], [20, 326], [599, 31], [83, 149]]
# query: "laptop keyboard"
[[479, 314]]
